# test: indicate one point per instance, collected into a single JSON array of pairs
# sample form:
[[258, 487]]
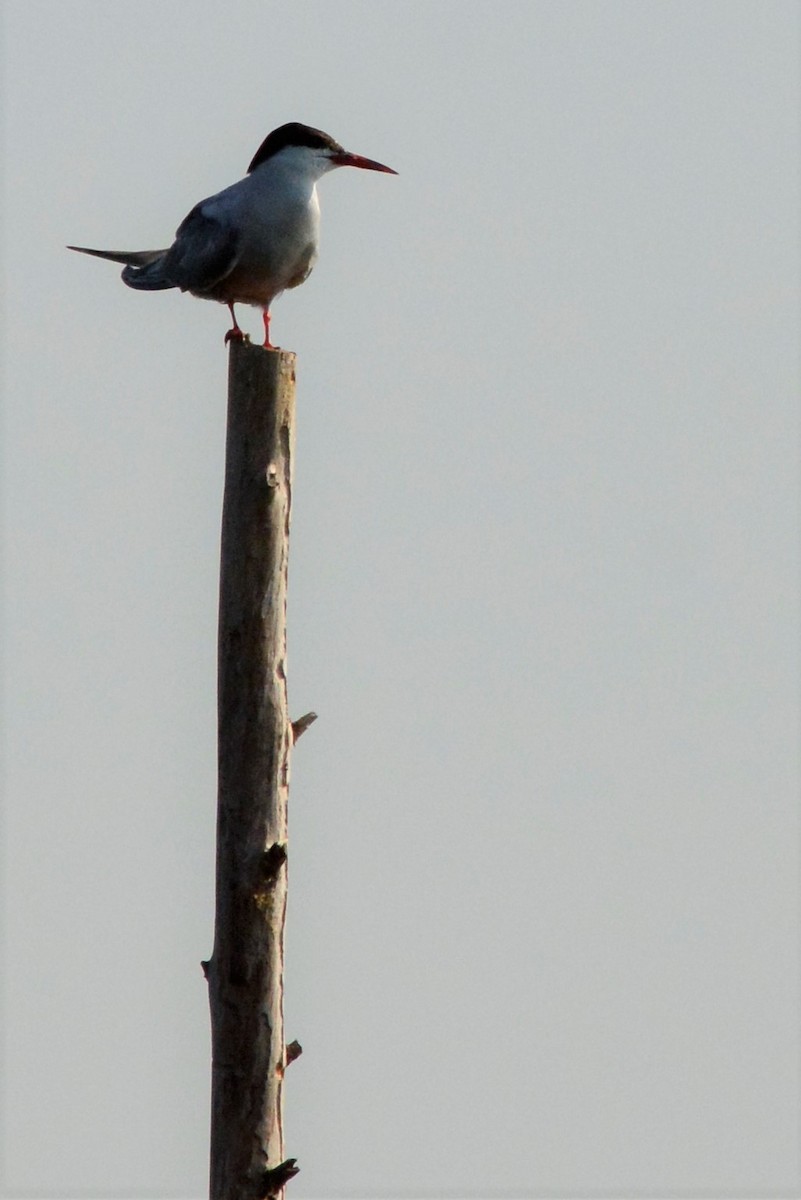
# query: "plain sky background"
[[543, 924]]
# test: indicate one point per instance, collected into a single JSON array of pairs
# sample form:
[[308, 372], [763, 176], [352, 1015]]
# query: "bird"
[[256, 238]]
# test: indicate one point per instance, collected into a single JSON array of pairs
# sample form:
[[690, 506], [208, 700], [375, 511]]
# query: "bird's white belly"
[[276, 254]]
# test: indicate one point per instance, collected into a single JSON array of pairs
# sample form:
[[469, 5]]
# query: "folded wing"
[[204, 251]]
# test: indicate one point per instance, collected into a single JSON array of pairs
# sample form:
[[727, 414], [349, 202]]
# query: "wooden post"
[[245, 972]]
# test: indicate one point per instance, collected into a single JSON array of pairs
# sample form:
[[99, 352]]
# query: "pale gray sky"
[[543, 926]]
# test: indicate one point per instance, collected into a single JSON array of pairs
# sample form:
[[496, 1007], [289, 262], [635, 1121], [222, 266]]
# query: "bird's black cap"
[[293, 134]]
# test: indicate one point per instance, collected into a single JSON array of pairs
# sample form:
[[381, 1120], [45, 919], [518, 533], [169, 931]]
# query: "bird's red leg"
[[267, 343], [235, 334]]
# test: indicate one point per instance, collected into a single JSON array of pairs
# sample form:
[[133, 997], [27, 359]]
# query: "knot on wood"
[[269, 1183], [302, 724], [272, 860], [292, 1051]]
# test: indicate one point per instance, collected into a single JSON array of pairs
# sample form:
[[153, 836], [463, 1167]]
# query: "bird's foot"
[[267, 344], [234, 334]]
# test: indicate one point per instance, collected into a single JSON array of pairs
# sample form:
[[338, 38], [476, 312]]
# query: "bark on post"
[[245, 972]]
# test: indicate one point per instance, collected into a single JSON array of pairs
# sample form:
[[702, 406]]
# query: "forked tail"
[[144, 269]]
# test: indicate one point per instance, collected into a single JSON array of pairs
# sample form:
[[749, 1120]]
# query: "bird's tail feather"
[[143, 268], [133, 258]]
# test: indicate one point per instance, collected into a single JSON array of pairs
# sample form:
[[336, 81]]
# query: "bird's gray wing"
[[205, 250]]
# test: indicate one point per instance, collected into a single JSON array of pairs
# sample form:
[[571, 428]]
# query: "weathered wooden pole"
[[245, 972]]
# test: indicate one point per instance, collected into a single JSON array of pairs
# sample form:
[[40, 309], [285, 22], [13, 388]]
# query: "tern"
[[256, 238]]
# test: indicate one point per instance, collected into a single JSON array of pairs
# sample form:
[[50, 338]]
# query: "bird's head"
[[312, 148]]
